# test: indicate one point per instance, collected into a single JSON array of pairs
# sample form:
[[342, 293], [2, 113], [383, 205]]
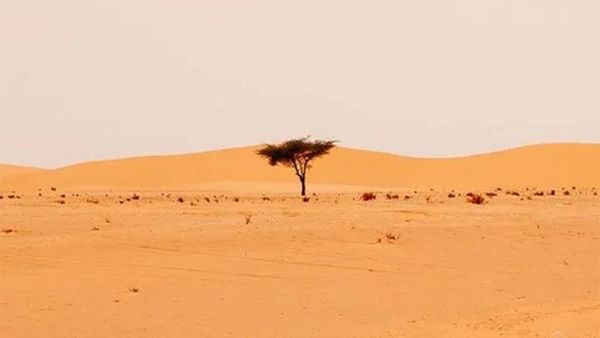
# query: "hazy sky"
[[83, 79]]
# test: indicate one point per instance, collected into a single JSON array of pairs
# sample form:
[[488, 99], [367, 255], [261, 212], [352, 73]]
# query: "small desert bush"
[[180, 199], [305, 199], [538, 193], [92, 200], [368, 196], [392, 197], [491, 194], [135, 197], [451, 195], [566, 193], [475, 198]]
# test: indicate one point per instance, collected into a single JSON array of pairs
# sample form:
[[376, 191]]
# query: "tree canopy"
[[298, 154]]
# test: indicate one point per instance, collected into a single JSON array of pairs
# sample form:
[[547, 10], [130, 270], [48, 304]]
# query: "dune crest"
[[548, 165]]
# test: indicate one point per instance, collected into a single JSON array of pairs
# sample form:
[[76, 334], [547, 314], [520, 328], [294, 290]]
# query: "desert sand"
[[219, 244], [7, 170]]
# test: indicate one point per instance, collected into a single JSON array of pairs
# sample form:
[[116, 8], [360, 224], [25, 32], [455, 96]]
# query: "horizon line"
[[133, 157]]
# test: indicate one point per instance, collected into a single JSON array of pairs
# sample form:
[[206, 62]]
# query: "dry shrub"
[[566, 193], [552, 192], [406, 197], [8, 231], [368, 196], [248, 219], [475, 198], [538, 193], [512, 193], [392, 197], [60, 202], [11, 196], [491, 194], [388, 237], [53, 188], [135, 197], [236, 200], [207, 199], [305, 199], [92, 200], [451, 195], [180, 199], [266, 198]]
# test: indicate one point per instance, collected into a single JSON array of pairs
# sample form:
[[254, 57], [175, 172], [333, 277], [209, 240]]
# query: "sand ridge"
[[549, 165]]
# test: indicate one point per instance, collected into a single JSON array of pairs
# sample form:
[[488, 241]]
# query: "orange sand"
[[211, 257]]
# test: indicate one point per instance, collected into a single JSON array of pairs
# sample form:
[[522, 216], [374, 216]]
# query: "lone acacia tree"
[[298, 154]]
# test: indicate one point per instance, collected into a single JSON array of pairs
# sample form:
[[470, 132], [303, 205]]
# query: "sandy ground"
[[332, 267]]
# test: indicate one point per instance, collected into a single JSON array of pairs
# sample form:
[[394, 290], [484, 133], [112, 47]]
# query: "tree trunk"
[[303, 182]]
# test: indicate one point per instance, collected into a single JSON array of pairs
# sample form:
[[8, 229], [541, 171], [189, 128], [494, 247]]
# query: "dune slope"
[[550, 165], [13, 170]]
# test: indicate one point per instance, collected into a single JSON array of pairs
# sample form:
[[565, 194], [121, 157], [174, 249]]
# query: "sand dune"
[[13, 170], [550, 165]]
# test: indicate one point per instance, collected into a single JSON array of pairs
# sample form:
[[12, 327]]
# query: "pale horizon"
[[83, 81]]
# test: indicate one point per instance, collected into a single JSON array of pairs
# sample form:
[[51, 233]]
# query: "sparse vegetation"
[[180, 199], [451, 195], [305, 199], [475, 198], [368, 196], [134, 290], [388, 237], [392, 197], [248, 219], [297, 154]]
